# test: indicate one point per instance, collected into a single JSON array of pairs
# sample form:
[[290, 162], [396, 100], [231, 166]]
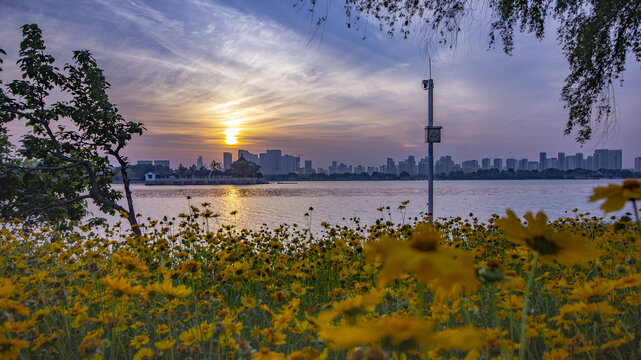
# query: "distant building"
[[511, 164], [270, 162], [615, 159], [227, 160], [249, 157], [485, 163], [390, 168], [444, 165], [199, 162], [289, 164], [608, 159], [533, 165], [550, 163], [408, 166], [523, 164], [470, 166], [570, 162], [601, 159], [308, 167], [498, 164], [542, 161], [589, 162], [144, 162], [637, 164], [560, 161], [579, 162], [162, 163]]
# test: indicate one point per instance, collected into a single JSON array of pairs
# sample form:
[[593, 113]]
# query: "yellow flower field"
[[518, 286]]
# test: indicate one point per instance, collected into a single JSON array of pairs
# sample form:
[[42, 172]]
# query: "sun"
[[231, 136]]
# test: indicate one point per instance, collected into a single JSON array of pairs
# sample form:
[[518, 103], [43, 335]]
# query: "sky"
[[203, 73]]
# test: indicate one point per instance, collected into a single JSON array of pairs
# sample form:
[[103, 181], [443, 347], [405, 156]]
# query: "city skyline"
[[203, 76], [274, 161]]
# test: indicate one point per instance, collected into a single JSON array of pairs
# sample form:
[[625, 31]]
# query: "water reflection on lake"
[[338, 202]]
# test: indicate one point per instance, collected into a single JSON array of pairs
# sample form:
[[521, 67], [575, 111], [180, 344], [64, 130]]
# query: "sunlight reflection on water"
[[338, 202]]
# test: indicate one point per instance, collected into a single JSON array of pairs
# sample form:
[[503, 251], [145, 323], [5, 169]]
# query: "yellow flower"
[[120, 285], [162, 329], [7, 288], [9, 348], [202, 332], [617, 195], [129, 261], [248, 302], [352, 306], [297, 289], [139, 341], [144, 353], [168, 289], [446, 270], [593, 291], [552, 246], [265, 354], [273, 336], [164, 345], [390, 331], [628, 282]]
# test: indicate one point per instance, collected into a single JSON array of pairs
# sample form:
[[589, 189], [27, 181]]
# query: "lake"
[[340, 201]]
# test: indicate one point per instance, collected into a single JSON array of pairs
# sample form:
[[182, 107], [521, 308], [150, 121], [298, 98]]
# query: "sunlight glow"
[[231, 136]]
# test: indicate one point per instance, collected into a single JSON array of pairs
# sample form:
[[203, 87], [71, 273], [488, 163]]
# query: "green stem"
[[636, 214], [526, 298]]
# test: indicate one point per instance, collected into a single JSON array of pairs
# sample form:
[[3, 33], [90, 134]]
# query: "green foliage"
[[244, 168], [596, 36], [64, 158]]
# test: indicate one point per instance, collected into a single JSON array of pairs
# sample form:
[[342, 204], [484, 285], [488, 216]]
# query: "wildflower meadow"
[[517, 286]]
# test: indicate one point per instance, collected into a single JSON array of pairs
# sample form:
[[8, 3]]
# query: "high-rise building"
[[162, 163], [390, 168], [615, 159], [533, 165], [249, 156], [444, 165], [408, 165], [589, 162], [498, 164], [570, 162], [289, 164], [601, 159], [270, 162], [637, 164], [470, 166], [485, 163], [542, 161], [579, 163], [550, 163], [560, 161], [511, 164], [523, 164], [227, 160], [144, 162], [333, 168], [308, 167], [199, 162]]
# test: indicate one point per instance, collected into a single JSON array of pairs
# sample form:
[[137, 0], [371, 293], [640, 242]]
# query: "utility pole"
[[432, 135]]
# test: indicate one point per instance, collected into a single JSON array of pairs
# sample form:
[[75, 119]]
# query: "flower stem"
[[636, 214], [526, 298]]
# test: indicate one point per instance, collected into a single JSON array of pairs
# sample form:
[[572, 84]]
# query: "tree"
[[596, 36], [215, 166], [64, 159], [244, 168]]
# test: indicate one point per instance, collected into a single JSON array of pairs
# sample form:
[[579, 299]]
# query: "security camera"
[[425, 84]]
